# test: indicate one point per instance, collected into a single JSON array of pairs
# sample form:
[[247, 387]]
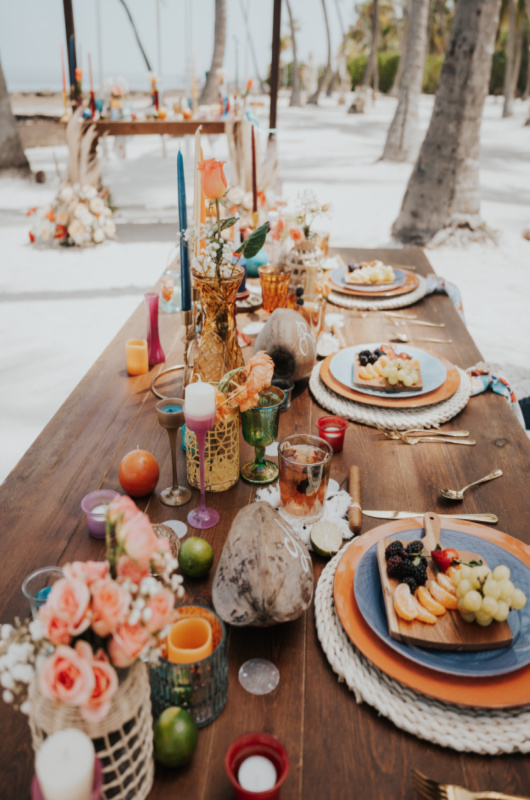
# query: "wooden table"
[[337, 749], [148, 127]]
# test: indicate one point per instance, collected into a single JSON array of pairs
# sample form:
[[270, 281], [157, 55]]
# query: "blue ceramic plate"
[[433, 372], [338, 276], [477, 663]]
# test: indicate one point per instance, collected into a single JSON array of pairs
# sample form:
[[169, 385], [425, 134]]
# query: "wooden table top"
[[146, 127], [337, 749]]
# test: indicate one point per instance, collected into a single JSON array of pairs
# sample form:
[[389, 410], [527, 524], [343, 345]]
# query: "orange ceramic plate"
[[444, 392], [410, 284], [504, 691]]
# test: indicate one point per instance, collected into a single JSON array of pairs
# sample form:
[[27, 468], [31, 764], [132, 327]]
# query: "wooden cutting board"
[[381, 384], [449, 632]]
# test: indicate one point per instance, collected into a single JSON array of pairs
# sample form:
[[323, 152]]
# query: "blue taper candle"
[[71, 63], [185, 277]]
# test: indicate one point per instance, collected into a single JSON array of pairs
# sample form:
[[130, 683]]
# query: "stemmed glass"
[[170, 414], [199, 413], [260, 428]]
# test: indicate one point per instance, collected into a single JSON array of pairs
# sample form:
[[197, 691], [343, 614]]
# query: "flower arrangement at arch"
[[79, 215], [98, 619]]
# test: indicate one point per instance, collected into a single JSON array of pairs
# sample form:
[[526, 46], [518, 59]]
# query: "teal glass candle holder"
[[200, 687], [260, 429]]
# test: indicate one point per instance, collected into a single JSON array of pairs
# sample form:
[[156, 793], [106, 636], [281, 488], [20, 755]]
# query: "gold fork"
[[431, 790], [394, 434]]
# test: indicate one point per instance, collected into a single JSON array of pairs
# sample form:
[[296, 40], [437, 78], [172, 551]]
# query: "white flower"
[[77, 231], [8, 696], [247, 201], [98, 236], [6, 632], [149, 586], [147, 613], [47, 232], [23, 673], [62, 217], [89, 192], [134, 618], [66, 194], [96, 206], [36, 630], [25, 707], [7, 681], [110, 227], [236, 195]]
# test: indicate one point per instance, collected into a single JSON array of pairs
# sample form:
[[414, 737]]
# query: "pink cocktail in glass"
[[199, 412]]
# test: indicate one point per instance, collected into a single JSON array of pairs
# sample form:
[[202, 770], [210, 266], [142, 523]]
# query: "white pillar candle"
[[257, 774], [65, 766], [199, 400]]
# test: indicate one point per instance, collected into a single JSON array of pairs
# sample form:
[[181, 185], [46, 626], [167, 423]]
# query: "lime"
[[195, 557], [325, 538], [175, 737]]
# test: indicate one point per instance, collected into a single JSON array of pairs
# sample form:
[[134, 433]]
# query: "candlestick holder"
[[170, 413]]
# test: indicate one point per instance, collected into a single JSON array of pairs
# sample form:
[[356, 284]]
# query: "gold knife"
[[410, 514]]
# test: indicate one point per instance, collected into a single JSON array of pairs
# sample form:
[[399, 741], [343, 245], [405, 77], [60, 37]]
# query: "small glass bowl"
[[91, 504]]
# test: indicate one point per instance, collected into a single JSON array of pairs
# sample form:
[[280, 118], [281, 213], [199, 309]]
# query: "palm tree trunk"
[[443, 188], [371, 74], [527, 87], [326, 76], [210, 89], [295, 90], [12, 157], [147, 63], [403, 32], [402, 141], [507, 110], [518, 55]]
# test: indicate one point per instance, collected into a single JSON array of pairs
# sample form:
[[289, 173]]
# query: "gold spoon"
[[455, 494]]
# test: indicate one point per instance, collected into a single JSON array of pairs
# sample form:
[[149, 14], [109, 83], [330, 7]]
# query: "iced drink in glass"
[[305, 463]]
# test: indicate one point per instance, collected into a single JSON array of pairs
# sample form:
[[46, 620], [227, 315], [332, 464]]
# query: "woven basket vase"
[[221, 456], [123, 740]]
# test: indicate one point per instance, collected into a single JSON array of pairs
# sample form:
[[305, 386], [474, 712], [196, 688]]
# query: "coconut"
[[289, 341], [265, 573]]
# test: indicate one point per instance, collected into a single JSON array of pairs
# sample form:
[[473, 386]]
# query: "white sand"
[[59, 308]]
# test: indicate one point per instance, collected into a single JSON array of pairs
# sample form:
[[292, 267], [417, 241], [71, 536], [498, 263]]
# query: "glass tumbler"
[[305, 464], [274, 286], [37, 586]]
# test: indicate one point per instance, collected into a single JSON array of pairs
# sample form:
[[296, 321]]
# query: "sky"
[[31, 33]]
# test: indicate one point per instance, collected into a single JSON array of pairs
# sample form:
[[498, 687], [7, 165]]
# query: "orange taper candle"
[[189, 640]]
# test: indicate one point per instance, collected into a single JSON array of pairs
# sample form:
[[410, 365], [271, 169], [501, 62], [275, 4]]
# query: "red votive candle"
[[256, 744], [332, 429]]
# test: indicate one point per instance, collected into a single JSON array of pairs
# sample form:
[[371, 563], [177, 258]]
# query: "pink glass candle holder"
[[332, 429], [95, 507], [199, 413], [155, 353], [97, 786], [265, 747]]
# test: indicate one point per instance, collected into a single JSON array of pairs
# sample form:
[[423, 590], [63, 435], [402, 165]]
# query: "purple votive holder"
[[332, 429], [97, 786], [95, 507]]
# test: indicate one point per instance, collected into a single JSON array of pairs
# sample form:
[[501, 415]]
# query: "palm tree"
[[371, 73], [507, 110], [295, 90], [443, 189], [210, 88], [131, 20], [12, 157], [402, 139], [325, 76], [403, 30]]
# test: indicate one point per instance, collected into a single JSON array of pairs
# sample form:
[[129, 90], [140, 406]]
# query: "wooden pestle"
[[354, 489]]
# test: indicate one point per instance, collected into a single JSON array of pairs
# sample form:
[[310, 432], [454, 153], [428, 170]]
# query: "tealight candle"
[[65, 766], [332, 429], [95, 507], [171, 409], [189, 640], [100, 511], [257, 774], [137, 358], [257, 765]]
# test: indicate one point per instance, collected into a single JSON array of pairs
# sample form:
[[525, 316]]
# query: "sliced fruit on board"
[[427, 601]]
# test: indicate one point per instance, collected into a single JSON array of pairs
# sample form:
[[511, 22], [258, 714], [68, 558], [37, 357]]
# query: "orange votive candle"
[[137, 360], [189, 640]]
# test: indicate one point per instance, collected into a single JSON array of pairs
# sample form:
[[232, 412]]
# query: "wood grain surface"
[[337, 749]]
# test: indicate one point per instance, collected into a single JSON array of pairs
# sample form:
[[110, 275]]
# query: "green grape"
[[489, 606], [507, 589], [491, 589], [483, 619], [392, 379], [472, 601], [503, 609], [478, 576], [518, 599], [501, 573], [456, 576], [465, 571], [463, 587], [407, 380], [386, 372]]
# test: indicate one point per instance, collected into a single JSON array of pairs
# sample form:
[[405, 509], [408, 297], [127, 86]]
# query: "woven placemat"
[[485, 731], [400, 418], [368, 304]]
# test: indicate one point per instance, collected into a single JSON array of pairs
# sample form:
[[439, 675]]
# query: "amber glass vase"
[[218, 350]]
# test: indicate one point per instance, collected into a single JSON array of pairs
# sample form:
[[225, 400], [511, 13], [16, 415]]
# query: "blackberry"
[[394, 567], [414, 548], [410, 582], [394, 549]]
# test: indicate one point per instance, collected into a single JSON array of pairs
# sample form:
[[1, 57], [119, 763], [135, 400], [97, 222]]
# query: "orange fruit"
[[175, 737], [423, 614], [439, 593], [404, 604], [446, 583], [428, 602], [452, 571]]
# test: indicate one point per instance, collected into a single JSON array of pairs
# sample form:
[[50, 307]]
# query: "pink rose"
[[138, 539], [121, 509], [127, 568], [161, 605], [57, 630], [69, 600], [106, 685], [87, 571], [110, 606], [67, 675], [127, 643]]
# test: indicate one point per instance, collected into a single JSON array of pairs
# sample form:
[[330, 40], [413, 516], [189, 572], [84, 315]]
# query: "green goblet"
[[260, 428]]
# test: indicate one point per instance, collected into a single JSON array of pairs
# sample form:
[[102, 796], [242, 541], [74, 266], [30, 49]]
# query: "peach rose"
[[127, 568], [110, 606], [213, 179], [138, 539], [57, 630], [69, 600], [121, 509], [127, 643], [296, 234], [106, 685], [67, 675], [87, 571], [161, 605]]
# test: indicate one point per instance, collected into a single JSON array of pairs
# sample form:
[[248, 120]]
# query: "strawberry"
[[444, 558]]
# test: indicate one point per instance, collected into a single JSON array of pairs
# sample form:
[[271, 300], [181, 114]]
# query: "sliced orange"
[[452, 571], [423, 614], [404, 604], [427, 601], [439, 593], [446, 583]]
